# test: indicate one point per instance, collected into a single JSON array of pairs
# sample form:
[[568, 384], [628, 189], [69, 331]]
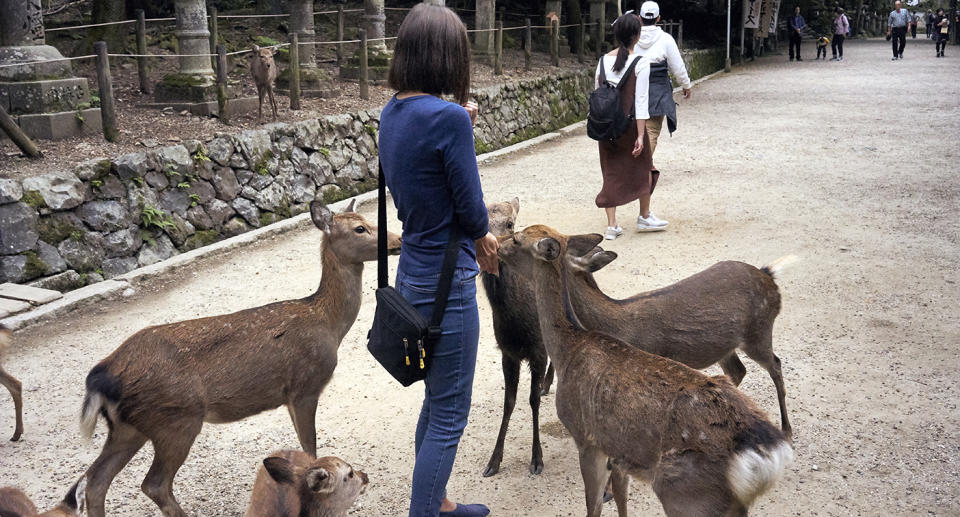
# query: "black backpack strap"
[[629, 71], [382, 274], [603, 72], [446, 279]]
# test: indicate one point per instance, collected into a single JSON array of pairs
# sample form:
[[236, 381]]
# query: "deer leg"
[[763, 354], [734, 368], [15, 389], [303, 413], [170, 450], [511, 380], [593, 468], [536, 375], [123, 442], [273, 102], [260, 94], [547, 379], [621, 490]]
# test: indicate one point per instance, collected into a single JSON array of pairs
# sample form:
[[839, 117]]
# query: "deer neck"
[[558, 322], [587, 298], [337, 300]]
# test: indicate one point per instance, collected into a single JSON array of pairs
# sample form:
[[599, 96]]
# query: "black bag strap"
[[449, 258], [626, 74]]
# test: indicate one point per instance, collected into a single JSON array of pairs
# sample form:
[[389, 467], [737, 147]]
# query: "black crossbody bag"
[[400, 339]]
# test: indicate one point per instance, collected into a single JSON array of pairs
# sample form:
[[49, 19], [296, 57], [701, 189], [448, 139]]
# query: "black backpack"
[[606, 120]]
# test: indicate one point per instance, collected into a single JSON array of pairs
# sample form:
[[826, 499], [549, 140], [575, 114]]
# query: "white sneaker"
[[650, 224], [656, 221], [613, 232]]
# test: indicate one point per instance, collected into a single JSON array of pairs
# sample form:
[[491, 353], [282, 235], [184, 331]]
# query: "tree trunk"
[[115, 35], [573, 18]]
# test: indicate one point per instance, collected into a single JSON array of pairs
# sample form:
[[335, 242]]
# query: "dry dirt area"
[[851, 166]]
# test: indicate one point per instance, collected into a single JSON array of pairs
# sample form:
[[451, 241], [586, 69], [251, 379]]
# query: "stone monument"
[[378, 56], [314, 82], [43, 98], [193, 87], [484, 40]]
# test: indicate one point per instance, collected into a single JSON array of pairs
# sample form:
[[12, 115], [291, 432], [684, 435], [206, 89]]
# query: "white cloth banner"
[[751, 13], [776, 14], [764, 22]]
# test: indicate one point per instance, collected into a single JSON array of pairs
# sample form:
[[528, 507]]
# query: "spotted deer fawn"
[[14, 503], [698, 321], [165, 381], [264, 71], [703, 445], [295, 484], [12, 384]]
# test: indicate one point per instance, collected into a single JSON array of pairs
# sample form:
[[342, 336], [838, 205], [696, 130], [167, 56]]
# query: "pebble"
[[128, 292]]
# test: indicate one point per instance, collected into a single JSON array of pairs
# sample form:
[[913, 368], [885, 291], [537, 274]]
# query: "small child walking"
[[822, 43]]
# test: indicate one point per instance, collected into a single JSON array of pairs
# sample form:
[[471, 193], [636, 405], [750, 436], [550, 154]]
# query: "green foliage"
[[77, 235], [171, 171], [153, 217], [96, 183], [35, 266], [372, 131], [262, 166], [324, 151], [194, 200], [33, 199], [55, 229], [183, 185], [138, 180], [201, 155]]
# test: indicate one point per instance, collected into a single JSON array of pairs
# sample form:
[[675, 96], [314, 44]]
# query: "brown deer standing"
[[294, 483], [165, 381], [698, 321], [264, 71], [12, 384], [705, 447], [14, 503]]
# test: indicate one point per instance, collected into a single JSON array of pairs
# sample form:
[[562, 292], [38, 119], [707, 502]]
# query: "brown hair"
[[432, 54]]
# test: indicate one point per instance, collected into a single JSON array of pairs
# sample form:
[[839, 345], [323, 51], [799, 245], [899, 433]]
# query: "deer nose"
[[363, 477]]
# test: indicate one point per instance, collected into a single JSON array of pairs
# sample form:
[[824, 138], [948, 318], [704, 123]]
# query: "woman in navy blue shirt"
[[428, 157]]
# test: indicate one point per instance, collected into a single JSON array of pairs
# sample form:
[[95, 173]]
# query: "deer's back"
[[15, 502]]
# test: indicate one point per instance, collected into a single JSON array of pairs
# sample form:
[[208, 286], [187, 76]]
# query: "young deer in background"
[[14, 503], [12, 384], [295, 484], [165, 381], [264, 71], [704, 446], [698, 321]]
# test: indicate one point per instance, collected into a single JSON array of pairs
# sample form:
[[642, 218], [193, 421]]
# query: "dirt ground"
[[851, 166]]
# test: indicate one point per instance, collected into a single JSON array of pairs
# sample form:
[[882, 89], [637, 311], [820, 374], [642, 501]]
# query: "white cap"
[[649, 10]]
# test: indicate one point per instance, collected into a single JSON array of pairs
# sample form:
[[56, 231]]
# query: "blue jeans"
[[448, 386]]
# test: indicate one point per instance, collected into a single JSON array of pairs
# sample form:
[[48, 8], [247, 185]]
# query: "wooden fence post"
[[294, 71], [498, 64], [364, 71], [214, 33], [222, 84], [601, 31], [555, 42], [582, 31], [680, 34], [142, 51], [528, 47], [10, 127], [107, 113], [339, 34]]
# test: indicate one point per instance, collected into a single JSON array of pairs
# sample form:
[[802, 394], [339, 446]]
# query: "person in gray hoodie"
[[661, 51]]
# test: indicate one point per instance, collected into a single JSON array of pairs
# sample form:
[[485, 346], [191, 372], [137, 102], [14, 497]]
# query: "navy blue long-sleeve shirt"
[[427, 151], [796, 22]]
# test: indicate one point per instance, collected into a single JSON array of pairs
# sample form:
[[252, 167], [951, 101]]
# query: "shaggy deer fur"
[[14, 503], [165, 381], [295, 484], [12, 384], [705, 447], [698, 321], [518, 336], [264, 71]]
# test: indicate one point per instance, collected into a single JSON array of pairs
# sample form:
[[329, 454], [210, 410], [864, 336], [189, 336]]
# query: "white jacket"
[[657, 46], [641, 102]]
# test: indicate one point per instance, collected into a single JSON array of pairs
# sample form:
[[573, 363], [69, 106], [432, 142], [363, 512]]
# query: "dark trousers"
[[941, 42], [930, 33], [913, 30], [837, 45], [794, 42], [898, 41], [822, 50]]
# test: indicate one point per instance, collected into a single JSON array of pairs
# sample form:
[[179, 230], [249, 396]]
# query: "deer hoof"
[[491, 470], [536, 467], [16, 435]]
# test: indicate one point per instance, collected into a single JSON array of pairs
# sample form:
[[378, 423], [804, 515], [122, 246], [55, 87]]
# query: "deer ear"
[[516, 205], [279, 469], [321, 215], [600, 260], [351, 207], [256, 48], [319, 480], [547, 249], [580, 245]]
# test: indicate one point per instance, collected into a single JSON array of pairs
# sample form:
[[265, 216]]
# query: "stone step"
[[25, 293], [8, 307]]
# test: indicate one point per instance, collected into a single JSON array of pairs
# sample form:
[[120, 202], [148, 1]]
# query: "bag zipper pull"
[[423, 353], [406, 352]]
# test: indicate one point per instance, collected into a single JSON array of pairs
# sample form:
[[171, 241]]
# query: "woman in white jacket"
[[660, 50]]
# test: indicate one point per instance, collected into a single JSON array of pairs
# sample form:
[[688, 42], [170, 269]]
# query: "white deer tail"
[[755, 470], [92, 404], [777, 266]]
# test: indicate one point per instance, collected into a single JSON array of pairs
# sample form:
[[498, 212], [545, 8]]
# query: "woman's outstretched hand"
[[473, 109], [487, 253]]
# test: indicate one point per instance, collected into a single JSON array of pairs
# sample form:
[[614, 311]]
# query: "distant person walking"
[[914, 20], [941, 26], [930, 20], [841, 27], [797, 24], [897, 24], [627, 162]]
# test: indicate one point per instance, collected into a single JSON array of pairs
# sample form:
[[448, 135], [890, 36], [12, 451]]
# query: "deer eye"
[[360, 229], [509, 226], [351, 474]]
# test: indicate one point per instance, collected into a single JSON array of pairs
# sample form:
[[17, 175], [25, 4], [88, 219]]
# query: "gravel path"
[[845, 164]]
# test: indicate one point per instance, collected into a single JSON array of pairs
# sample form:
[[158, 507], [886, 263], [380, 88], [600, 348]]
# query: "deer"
[[698, 321], [294, 483], [706, 448], [165, 381], [14, 503], [12, 384], [518, 337], [264, 72]]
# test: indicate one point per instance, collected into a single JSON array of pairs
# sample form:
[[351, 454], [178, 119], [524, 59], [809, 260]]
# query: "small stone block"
[[66, 124], [25, 293], [12, 307], [46, 96]]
